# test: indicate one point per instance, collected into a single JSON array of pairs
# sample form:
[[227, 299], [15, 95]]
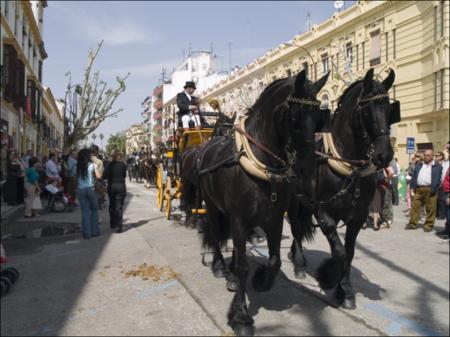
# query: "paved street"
[[70, 286]]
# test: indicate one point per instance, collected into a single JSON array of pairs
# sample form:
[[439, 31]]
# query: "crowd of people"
[[83, 176], [427, 192]]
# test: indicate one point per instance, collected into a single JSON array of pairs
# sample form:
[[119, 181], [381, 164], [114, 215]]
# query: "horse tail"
[[215, 231], [308, 229]]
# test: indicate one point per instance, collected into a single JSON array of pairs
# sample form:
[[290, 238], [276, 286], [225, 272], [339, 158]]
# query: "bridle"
[[363, 118]]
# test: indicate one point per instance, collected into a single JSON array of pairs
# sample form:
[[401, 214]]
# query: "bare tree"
[[88, 104]]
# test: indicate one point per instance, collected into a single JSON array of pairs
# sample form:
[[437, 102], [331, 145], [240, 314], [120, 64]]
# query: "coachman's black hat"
[[190, 84]]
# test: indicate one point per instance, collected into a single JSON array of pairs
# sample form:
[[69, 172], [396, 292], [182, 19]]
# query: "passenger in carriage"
[[188, 106]]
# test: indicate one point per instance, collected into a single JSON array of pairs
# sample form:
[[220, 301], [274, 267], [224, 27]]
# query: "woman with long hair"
[[115, 173], [87, 197]]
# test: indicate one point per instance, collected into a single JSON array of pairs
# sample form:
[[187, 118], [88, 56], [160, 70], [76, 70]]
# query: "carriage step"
[[198, 211]]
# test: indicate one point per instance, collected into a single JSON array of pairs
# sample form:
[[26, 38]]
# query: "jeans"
[[116, 193], [89, 212]]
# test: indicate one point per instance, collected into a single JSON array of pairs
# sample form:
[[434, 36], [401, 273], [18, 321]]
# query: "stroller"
[[54, 199]]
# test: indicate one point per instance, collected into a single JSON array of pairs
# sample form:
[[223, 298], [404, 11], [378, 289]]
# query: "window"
[[393, 44], [349, 53], [375, 48], [204, 66], [442, 88], [325, 66], [288, 72], [305, 67], [435, 22], [386, 38], [437, 90], [357, 57], [363, 61], [442, 17], [40, 71]]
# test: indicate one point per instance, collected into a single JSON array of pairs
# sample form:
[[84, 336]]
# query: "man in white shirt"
[[51, 169], [425, 183]]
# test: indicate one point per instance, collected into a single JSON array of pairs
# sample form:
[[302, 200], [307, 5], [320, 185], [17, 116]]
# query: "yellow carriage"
[[168, 179]]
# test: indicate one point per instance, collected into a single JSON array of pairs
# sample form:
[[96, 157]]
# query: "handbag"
[[37, 203]]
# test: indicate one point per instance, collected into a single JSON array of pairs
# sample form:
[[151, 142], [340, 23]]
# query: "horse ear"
[[388, 81], [320, 83], [300, 81], [368, 81]]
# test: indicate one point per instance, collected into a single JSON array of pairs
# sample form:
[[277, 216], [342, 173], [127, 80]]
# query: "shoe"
[[410, 226], [119, 230], [376, 228], [427, 229]]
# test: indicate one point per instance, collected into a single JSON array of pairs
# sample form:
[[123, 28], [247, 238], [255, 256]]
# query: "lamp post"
[[289, 43]]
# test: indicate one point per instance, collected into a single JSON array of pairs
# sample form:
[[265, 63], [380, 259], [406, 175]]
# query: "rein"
[[343, 160]]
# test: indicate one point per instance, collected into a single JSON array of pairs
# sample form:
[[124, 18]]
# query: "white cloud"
[[102, 24], [142, 70]]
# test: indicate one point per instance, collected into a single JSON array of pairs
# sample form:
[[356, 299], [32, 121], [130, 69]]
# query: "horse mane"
[[377, 88], [266, 91]]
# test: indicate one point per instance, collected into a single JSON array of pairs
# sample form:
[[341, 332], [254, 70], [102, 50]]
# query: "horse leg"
[[344, 292], [331, 270], [212, 230], [265, 275], [296, 252], [232, 283], [238, 316]]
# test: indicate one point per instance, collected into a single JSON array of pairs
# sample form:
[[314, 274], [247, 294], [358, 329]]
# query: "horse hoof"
[[300, 274], [349, 304], [244, 330], [232, 285]]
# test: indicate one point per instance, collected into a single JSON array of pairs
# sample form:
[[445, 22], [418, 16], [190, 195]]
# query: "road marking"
[[151, 291], [399, 322]]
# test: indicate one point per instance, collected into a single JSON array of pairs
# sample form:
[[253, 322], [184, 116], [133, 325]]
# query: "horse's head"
[[223, 125], [375, 115], [305, 116]]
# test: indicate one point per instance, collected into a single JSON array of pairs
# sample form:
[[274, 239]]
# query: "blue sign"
[[410, 145]]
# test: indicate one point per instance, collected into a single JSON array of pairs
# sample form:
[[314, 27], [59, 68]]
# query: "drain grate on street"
[[151, 272]]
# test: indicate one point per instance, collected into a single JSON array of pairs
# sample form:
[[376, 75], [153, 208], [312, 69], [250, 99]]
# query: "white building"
[[200, 67]]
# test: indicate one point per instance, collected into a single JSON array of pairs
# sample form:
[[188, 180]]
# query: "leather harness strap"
[[258, 145]]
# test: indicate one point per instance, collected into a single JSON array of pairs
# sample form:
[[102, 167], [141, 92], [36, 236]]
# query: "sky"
[[140, 37]]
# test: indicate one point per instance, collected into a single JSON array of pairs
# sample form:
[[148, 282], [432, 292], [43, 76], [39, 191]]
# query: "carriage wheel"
[[168, 201]]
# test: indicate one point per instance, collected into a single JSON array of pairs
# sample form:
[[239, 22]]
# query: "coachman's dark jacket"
[[183, 103]]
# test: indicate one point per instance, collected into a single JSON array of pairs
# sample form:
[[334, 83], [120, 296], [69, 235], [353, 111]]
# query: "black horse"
[[280, 124], [189, 197], [360, 131]]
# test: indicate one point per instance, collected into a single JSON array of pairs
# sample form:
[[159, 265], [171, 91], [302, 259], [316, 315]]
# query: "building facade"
[[135, 138], [22, 55], [411, 37]]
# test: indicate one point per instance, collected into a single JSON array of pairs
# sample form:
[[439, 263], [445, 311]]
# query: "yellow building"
[[411, 37], [21, 58]]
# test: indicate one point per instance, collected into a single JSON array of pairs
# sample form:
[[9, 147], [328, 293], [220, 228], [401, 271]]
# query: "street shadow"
[[284, 295], [361, 284], [54, 270], [424, 294]]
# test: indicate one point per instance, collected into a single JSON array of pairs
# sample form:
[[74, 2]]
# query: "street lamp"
[[290, 43]]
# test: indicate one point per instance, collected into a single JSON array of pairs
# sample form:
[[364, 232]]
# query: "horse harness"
[[247, 159], [353, 170]]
